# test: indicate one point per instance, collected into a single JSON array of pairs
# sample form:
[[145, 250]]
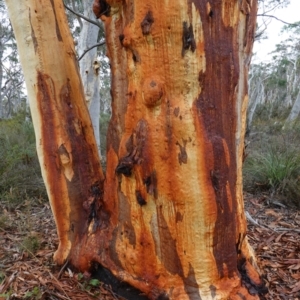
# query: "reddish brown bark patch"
[[168, 249], [217, 110], [59, 119], [250, 278], [100, 8]]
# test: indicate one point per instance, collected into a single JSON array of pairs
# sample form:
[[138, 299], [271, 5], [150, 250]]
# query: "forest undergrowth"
[[28, 237]]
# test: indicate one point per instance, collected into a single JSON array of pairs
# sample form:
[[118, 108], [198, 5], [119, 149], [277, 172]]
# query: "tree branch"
[[270, 16], [87, 50], [82, 16]]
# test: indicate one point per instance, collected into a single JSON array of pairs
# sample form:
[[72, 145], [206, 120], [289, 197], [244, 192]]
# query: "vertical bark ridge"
[[170, 221], [173, 157], [65, 143]]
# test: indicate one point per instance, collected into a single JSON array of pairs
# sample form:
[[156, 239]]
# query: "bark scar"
[[188, 40], [147, 23], [182, 155], [34, 39], [58, 34]]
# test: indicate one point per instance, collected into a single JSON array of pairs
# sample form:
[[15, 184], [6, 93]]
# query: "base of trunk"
[[119, 287]]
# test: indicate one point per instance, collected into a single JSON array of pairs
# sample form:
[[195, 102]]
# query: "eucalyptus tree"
[[88, 34], [168, 215], [275, 84]]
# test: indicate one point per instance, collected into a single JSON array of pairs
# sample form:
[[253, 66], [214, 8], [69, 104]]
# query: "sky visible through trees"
[[289, 14]]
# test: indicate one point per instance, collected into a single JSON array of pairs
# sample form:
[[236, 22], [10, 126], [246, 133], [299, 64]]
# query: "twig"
[[62, 269], [271, 16], [57, 295], [82, 16], [249, 218], [287, 229], [87, 50], [58, 284]]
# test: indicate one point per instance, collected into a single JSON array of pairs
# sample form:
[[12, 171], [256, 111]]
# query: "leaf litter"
[[28, 272], [273, 232]]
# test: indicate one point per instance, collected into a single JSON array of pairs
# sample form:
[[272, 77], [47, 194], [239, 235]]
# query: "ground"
[[28, 240]]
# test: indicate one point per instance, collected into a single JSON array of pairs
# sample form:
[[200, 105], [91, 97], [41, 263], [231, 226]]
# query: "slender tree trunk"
[[1, 78], [257, 97], [90, 68], [171, 219], [66, 145], [294, 111]]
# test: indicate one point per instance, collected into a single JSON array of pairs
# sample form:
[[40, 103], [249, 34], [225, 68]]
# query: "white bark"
[[257, 97], [89, 67], [295, 110]]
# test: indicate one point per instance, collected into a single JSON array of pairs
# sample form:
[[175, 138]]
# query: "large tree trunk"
[[171, 219]]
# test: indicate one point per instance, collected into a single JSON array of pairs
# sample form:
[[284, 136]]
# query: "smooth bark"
[[66, 145], [294, 111], [170, 219], [90, 67]]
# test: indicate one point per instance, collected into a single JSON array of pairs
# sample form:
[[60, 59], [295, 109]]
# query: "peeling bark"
[[181, 73], [66, 145], [170, 217]]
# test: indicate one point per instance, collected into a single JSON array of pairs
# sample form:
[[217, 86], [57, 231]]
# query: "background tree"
[[12, 97], [88, 34], [274, 85], [169, 216]]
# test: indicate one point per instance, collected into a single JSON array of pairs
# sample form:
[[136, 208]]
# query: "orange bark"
[[168, 218], [65, 140], [175, 142]]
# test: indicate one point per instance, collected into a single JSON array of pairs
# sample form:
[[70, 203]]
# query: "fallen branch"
[[249, 218]]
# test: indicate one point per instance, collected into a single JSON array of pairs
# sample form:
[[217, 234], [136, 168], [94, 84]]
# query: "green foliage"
[[90, 285], [94, 282], [2, 277], [3, 225], [19, 167], [31, 244], [36, 293], [273, 166]]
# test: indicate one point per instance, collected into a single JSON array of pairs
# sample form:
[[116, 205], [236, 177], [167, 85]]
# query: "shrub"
[[31, 244], [20, 174], [274, 166]]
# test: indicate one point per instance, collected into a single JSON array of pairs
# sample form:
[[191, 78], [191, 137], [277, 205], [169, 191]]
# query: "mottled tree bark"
[[66, 145], [170, 219]]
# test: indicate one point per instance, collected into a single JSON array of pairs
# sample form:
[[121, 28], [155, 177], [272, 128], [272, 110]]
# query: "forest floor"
[[28, 240]]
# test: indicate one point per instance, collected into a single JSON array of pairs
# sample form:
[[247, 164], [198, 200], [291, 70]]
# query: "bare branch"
[[270, 16], [82, 16], [87, 50]]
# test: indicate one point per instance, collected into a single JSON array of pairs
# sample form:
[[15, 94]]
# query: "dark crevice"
[[119, 287]]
